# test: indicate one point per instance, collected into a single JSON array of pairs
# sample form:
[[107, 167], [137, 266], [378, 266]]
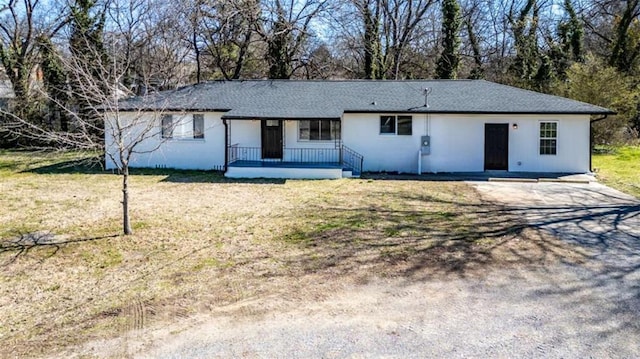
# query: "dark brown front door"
[[271, 138], [496, 146]]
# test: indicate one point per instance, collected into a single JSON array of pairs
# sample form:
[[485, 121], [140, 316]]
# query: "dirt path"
[[548, 312]]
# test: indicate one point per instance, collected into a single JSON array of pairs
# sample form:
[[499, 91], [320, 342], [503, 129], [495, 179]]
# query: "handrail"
[[232, 151], [304, 155], [344, 156], [352, 159]]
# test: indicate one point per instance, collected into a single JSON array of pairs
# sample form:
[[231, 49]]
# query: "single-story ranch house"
[[331, 129]]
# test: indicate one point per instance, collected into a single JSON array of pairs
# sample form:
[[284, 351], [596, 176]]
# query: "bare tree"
[[129, 129], [387, 35], [285, 29], [148, 44], [230, 36], [21, 23]]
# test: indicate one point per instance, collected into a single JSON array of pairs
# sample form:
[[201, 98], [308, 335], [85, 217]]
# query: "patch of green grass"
[[211, 262], [102, 257], [391, 231], [446, 215], [620, 169], [297, 236]]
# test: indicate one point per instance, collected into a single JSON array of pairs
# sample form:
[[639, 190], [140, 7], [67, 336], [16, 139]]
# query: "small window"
[[548, 138], [273, 123], [396, 125], [318, 130], [167, 126], [404, 125], [198, 126], [387, 124]]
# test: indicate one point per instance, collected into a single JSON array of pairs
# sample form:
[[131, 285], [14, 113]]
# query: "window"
[[198, 126], [548, 138], [388, 124], [319, 130], [182, 127], [396, 125], [167, 126], [404, 125]]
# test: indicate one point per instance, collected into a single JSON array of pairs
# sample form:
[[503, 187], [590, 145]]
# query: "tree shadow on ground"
[[170, 175], [594, 250], [23, 243], [85, 166]]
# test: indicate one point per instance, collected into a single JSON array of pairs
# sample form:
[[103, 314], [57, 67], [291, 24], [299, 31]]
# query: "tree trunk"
[[197, 53], [126, 223]]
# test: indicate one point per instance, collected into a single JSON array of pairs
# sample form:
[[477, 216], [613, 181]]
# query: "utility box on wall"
[[426, 145]]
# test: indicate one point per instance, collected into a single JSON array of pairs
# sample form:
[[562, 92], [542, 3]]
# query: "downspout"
[[591, 139], [226, 145]]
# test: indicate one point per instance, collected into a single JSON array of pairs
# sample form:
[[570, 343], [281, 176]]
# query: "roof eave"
[[232, 117], [603, 112]]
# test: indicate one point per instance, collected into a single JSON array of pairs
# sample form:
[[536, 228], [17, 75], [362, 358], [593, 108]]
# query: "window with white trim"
[[198, 126], [167, 126], [182, 127], [318, 130], [548, 138], [396, 125]]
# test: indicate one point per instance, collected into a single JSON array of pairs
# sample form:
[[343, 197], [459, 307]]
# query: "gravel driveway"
[[568, 310]]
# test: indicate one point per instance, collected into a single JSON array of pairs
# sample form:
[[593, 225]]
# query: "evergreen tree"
[[372, 46], [278, 48], [525, 28], [55, 82], [86, 43], [478, 71], [447, 67]]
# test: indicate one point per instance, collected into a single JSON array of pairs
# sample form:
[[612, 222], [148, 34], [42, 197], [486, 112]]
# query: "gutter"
[[226, 145], [603, 117]]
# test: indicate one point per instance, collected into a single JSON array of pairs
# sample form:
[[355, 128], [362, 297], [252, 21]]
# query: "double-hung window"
[[182, 127], [198, 126], [396, 125], [548, 138], [318, 130], [167, 126]]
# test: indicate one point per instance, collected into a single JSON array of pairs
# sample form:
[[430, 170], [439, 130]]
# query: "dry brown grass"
[[202, 242]]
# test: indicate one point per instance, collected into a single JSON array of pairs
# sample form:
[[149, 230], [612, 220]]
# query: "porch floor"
[[283, 164]]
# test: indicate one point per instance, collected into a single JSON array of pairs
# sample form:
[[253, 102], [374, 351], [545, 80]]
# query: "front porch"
[[288, 148], [310, 163]]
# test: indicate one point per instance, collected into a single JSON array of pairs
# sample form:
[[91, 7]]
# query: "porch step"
[[348, 173]]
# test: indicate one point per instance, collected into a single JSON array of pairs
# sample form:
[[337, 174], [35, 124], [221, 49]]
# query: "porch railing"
[[351, 159], [343, 155], [305, 155]]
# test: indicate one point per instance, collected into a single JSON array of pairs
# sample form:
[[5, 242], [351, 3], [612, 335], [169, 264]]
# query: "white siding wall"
[[245, 133], [457, 143], [382, 152], [202, 154]]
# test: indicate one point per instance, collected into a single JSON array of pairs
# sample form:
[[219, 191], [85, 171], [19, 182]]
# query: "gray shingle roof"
[[330, 99]]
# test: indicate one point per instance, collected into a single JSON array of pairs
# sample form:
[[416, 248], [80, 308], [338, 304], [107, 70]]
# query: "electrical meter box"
[[426, 145]]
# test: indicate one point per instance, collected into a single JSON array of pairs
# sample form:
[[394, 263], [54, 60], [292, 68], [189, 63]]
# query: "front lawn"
[[620, 168], [203, 242]]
